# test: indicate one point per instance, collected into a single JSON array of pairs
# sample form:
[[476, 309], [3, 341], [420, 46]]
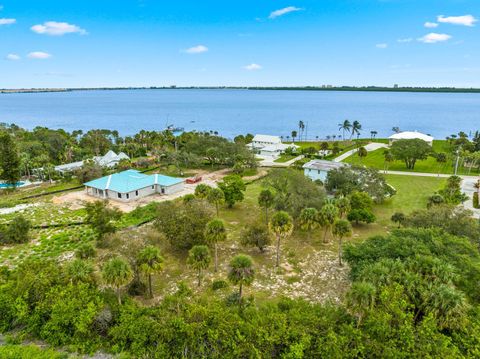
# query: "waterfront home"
[[109, 160], [269, 147], [261, 141], [318, 169], [410, 135], [131, 185]]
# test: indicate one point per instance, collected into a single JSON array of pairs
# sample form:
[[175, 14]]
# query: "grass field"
[[376, 160]]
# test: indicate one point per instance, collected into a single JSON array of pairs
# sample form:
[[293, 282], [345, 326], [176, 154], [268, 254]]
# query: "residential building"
[[131, 185], [269, 147], [318, 169], [111, 159]]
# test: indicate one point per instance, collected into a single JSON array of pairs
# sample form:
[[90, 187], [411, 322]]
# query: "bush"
[[85, 251], [476, 203], [17, 231], [219, 284]]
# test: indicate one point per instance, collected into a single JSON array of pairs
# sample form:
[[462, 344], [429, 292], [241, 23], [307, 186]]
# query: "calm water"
[[231, 112]]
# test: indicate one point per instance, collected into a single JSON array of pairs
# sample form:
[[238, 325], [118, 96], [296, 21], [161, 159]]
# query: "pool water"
[[18, 184]]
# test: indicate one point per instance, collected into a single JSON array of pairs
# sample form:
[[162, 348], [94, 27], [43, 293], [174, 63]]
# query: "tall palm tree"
[[328, 215], [343, 205], [362, 152], [241, 272], [266, 200], [294, 134], [150, 262], [301, 128], [199, 259], [215, 232], [361, 299], [281, 225], [345, 126], [388, 157], [117, 273], [341, 228], [356, 127], [216, 197], [309, 220]]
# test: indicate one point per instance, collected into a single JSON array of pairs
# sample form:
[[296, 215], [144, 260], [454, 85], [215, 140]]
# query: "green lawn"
[[285, 158], [376, 160]]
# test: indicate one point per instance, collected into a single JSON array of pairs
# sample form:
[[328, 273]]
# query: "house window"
[[119, 195], [153, 187], [318, 171], [136, 193], [128, 196]]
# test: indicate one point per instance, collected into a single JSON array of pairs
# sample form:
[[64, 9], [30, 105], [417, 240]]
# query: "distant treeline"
[[286, 88]]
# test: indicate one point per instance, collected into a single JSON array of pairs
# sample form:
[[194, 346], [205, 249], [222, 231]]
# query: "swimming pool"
[[18, 184]]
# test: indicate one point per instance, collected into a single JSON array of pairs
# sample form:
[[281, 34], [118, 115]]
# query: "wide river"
[[232, 112]]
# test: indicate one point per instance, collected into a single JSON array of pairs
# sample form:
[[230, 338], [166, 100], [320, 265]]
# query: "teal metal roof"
[[131, 180]]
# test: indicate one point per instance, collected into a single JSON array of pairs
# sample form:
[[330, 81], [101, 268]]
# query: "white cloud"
[[403, 41], [12, 57], [465, 20], [5, 21], [39, 55], [430, 25], [434, 37], [196, 49], [381, 46], [284, 11], [57, 28], [253, 67]]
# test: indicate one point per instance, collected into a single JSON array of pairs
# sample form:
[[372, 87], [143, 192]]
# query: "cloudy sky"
[[269, 43]]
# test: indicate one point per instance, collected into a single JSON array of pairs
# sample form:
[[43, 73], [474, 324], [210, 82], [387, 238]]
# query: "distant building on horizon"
[[410, 135]]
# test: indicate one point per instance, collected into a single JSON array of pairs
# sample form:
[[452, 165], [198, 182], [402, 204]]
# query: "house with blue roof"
[[131, 185]]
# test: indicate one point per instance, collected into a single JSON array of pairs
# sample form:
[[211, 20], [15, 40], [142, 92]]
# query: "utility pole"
[[456, 162]]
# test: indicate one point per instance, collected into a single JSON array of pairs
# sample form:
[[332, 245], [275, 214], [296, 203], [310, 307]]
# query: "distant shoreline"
[[299, 88]]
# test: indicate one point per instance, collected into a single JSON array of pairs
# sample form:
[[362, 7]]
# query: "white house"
[[111, 159], [410, 135], [270, 147], [131, 185], [318, 169], [261, 141]]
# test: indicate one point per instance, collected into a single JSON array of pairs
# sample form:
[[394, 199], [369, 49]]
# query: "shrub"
[[17, 231], [219, 284], [85, 251], [476, 203]]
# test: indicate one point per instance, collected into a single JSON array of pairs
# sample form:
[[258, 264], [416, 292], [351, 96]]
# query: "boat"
[[174, 129]]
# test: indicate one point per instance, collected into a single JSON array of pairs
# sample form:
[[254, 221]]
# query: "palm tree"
[[266, 200], [241, 272], [202, 190], [281, 225], [301, 128], [388, 156], [294, 134], [216, 197], [362, 152], [80, 271], [361, 299], [341, 228], [356, 127], [345, 126], [343, 205], [117, 273], [199, 259], [215, 232], [309, 220], [150, 262], [328, 215]]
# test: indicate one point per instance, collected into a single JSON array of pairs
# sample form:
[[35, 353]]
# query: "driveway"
[[270, 162], [370, 147]]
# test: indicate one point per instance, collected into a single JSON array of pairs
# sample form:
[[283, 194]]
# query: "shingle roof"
[[267, 138], [131, 180], [323, 165]]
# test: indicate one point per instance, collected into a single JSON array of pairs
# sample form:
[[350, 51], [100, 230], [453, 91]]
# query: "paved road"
[[370, 147]]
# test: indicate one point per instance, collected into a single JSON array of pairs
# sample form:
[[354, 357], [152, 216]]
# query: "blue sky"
[[91, 43]]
